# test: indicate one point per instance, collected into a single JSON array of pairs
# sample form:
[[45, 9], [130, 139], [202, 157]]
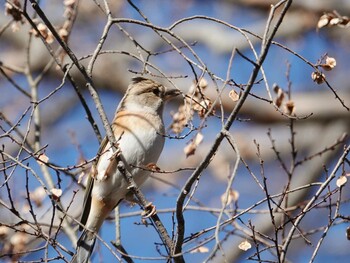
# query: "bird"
[[139, 130]]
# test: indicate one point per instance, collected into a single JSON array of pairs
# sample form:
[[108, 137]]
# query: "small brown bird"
[[138, 126]]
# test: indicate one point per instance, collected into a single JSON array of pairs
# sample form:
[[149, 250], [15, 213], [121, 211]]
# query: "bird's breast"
[[140, 140], [141, 136]]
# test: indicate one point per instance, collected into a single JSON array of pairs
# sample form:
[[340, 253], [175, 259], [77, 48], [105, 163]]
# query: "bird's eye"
[[156, 92]]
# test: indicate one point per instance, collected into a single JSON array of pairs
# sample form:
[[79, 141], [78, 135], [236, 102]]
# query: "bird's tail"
[[85, 245]]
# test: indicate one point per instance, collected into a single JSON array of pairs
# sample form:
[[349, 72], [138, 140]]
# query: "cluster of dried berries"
[[195, 97], [15, 243], [195, 101], [326, 63], [69, 14], [181, 118], [333, 19], [13, 10], [44, 32]]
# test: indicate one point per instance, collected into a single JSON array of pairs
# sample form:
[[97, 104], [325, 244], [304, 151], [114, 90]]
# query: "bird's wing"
[[89, 186], [118, 132]]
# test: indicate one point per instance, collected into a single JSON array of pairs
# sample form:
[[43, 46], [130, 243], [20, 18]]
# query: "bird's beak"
[[172, 93]]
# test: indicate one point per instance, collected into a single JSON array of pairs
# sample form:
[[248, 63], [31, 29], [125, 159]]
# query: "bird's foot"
[[150, 210]]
